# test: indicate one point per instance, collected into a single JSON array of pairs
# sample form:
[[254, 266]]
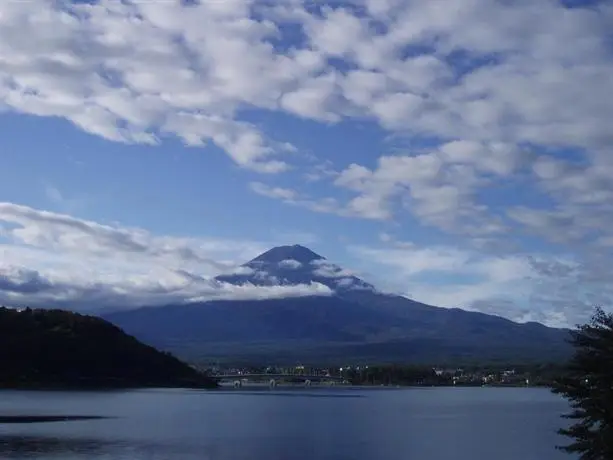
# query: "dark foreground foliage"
[[59, 349], [589, 388]]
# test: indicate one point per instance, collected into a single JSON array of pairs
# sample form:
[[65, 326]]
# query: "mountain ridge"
[[356, 322]]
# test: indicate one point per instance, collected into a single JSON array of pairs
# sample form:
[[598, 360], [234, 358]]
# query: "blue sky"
[[456, 153]]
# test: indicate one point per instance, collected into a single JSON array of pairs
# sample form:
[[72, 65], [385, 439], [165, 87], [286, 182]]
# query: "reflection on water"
[[20, 447], [46, 418], [23, 446], [441, 424], [293, 393], [41, 447]]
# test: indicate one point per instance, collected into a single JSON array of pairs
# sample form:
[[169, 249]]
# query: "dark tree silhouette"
[[588, 385], [53, 348]]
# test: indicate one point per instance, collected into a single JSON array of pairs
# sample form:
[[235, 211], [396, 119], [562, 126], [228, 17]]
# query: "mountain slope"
[[357, 323], [53, 348]]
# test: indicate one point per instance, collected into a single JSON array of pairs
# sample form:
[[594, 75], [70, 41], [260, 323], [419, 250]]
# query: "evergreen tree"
[[588, 385]]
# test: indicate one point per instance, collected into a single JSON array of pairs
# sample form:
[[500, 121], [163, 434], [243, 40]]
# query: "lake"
[[313, 424]]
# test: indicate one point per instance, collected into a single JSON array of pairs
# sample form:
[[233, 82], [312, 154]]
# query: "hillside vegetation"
[[53, 348]]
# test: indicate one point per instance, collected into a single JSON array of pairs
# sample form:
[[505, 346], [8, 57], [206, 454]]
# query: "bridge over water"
[[274, 379]]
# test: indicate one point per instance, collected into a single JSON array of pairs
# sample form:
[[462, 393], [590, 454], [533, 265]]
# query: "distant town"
[[389, 375]]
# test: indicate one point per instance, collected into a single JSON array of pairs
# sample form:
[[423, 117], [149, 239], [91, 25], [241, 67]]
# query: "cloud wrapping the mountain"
[[55, 260], [290, 263], [555, 290], [327, 269], [47, 230]]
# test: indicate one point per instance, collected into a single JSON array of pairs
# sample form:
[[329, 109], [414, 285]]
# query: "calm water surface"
[[314, 424]]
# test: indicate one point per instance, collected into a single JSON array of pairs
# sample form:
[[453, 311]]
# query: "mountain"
[[287, 265], [356, 323], [59, 349]]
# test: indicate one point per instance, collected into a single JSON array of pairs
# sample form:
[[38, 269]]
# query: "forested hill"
[[59, 349]]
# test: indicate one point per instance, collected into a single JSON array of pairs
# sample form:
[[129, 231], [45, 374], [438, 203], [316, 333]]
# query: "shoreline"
[[222, 387], [101, 387]]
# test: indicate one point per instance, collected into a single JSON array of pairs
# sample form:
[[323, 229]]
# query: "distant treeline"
[[533, 375]]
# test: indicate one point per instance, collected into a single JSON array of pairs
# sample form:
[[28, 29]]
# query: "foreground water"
[[315, 424]]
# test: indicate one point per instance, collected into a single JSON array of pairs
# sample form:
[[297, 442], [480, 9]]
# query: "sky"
[[457, 153]]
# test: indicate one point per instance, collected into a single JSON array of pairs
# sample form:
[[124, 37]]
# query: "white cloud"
[[416, 261], [46, 230], [293, 197], [485, 77], [534, 72], [314, 100], [494, 84], [438, 187], [290, 263], [131, 71], [328, 269], [23, 287], [273, 192], [558, 291], [53, 259], [582, 195], [241, 141]]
